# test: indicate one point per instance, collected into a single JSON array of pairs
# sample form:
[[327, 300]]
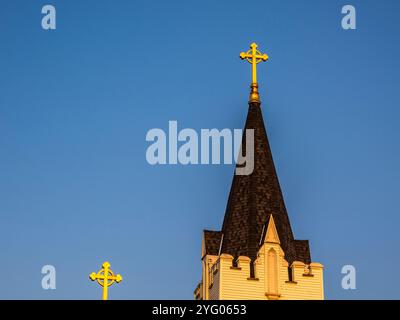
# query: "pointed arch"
[[272, 271]]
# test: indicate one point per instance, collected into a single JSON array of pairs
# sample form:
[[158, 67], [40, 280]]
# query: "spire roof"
[[252, 200]]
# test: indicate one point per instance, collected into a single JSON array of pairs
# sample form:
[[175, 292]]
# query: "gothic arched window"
[[272, 271]]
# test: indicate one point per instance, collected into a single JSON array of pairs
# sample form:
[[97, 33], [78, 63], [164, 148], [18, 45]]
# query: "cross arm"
[[244, 55]]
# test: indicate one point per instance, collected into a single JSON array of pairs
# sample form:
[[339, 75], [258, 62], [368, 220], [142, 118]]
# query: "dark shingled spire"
[[252, 199]]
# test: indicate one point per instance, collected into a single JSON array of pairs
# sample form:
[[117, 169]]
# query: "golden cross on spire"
[[105, 277], [253, 56]]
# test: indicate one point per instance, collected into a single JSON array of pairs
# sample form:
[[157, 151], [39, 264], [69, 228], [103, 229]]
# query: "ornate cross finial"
[[253, 56], [105, 277]]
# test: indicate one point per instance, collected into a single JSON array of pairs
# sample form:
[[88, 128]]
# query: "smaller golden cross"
[[254, 57], [105, 277]]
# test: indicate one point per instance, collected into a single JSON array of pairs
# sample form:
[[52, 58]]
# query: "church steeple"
[[256, 239], [254, 198]]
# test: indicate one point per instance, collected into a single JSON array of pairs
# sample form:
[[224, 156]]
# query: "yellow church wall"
[[306, 287], [234, 283], [222, 281], [214, 288], [208, 262]]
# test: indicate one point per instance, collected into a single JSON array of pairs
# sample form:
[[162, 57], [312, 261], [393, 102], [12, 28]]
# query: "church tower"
[[255, 255]]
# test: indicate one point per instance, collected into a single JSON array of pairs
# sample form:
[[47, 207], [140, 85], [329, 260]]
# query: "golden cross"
[[254, 57], [105, 277]]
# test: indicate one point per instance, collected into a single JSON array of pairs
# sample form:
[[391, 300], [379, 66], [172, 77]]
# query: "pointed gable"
[[271, 234]]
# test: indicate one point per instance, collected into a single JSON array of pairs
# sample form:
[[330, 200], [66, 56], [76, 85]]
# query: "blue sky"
[[76, 104]]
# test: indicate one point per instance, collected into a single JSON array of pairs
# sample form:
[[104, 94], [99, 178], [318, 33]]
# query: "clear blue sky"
[[76, 104]]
